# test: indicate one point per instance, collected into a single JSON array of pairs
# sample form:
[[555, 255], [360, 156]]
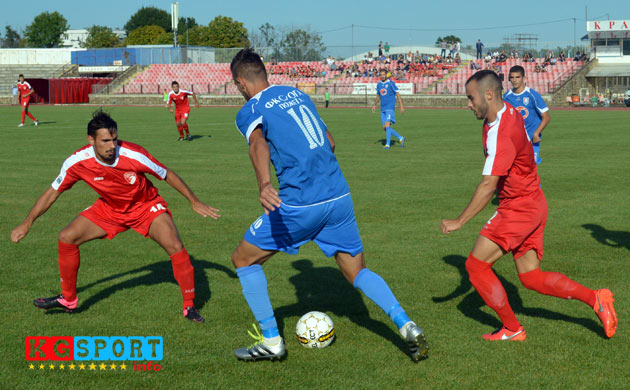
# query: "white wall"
[[35, 56]]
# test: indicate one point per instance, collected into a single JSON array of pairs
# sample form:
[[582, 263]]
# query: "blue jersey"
[[387, 90], [307, 169], [531, 106]]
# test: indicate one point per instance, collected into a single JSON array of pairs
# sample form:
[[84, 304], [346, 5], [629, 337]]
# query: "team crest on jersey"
[[525, 100], [383, 91], [524, 111], [131, 177]]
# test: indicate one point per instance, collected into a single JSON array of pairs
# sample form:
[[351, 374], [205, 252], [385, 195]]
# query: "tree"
[[199, 36], [149, 35], [11, 38], [448, 38], [101, 36], [302, 45], [153, 16], [46, 30], [227, 32]]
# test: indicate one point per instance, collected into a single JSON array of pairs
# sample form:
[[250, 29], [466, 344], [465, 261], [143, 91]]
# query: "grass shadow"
[[472, 303], [614, 238], [325, 289]]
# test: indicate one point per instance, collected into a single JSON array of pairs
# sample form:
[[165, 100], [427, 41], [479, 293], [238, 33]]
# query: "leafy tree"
[[153, 16], [46, 30], [227, 32], [186, 23], [448, 38], [101, 36], [11, 38], [149, 35], [199, 36], [266, 40], [302, 45]]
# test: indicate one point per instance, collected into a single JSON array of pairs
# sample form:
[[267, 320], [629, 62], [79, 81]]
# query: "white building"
[[75, 38], [610, 39]]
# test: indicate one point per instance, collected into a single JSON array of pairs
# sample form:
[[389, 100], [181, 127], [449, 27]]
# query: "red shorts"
[[519, 225], [183, 114], [114, 222], [24, 102]]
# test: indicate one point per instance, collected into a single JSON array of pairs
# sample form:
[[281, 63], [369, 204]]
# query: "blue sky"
[[489, 21]]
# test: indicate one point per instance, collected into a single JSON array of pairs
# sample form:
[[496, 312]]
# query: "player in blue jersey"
[[531, 106], [387, 94], [313, 202]]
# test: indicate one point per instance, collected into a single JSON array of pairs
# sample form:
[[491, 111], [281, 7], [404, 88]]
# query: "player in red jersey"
[[182, 108], [25, 91], [519, 223], [116, 170]]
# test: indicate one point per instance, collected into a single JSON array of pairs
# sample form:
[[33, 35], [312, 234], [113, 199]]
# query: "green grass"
[[126, 286]]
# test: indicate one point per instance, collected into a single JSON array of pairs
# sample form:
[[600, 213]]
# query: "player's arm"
[[194, 95], [198, 206], [259, 154], [169, 104], [376, 101], [30, 92], [480, 199], [545, 119], [400, 103], [43, 203], [331, 140]]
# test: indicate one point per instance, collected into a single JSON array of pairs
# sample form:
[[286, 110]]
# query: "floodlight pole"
[[174, 21]]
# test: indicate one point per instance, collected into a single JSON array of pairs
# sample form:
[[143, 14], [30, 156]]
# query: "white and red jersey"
[[509, 154], [122, 185], [24, 88], [180, 99]]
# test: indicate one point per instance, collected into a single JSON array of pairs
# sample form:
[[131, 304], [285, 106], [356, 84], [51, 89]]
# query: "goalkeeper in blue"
[[313, 202], [387, 94]]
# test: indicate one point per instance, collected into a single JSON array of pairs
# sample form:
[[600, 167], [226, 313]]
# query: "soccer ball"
[[315, 330]]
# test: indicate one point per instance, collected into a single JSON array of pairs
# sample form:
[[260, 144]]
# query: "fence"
[[144, 55]]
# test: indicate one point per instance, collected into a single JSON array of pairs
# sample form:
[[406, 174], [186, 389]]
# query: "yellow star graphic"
[[41, 366], [92, 366], [61, 366], [123, 366], [81, 366], [31, 367], [112, 366], [71, 366], [103, 366], [52, 366]]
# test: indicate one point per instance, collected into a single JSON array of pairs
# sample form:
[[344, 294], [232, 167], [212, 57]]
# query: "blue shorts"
[[388, 116], [330, 224]]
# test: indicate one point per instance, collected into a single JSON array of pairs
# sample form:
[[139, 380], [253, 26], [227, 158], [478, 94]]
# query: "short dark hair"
[[518, 69], [101, 120], [487, 79], [20, 75], [174, 83], [247, 63]]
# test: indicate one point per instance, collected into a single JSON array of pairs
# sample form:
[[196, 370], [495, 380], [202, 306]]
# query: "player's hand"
[[373, 109], [20, 232], [205, 211], [196, 105], [450, 225], [402, 110], [269, 198], [170, 109], [536, 138]]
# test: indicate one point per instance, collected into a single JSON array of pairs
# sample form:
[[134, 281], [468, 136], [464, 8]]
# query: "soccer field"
[[126, 286]]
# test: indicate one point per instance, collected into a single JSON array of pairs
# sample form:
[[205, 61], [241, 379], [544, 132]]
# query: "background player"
[[387, 94], [116, 170], [518, 225], [182, 108], [531, 106], [282, 126], [25, 91]]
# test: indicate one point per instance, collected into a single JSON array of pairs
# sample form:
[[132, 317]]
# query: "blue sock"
[[395, 134], [254, 284], [388, 135], [375, 288]]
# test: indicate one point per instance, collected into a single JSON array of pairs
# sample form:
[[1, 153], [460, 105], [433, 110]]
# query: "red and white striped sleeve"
[[143, 160], [500, 152]]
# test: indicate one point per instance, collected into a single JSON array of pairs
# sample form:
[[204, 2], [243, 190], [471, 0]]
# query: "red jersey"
[[510, 154], [24, 88], [122, 185], [180, 99]]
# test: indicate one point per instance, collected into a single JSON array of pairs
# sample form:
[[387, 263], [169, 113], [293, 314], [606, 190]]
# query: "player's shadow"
[[472, 303], [614, 238], [153, 275], [383, 141], [194, 137], [45, 123], [325, 289]]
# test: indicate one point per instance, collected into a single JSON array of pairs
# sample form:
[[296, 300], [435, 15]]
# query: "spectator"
[[443, 47], [479, 47], [14, 91], [387, 48], [380, 49]]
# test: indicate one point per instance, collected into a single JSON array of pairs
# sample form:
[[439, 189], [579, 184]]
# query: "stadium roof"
[[612, 70]]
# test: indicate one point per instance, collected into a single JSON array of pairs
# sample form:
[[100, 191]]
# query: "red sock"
[[180, 128], [186, 128], [23, 116], [69, 261], [31, 116], [491, 290], [557, 285], [185, 276]]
